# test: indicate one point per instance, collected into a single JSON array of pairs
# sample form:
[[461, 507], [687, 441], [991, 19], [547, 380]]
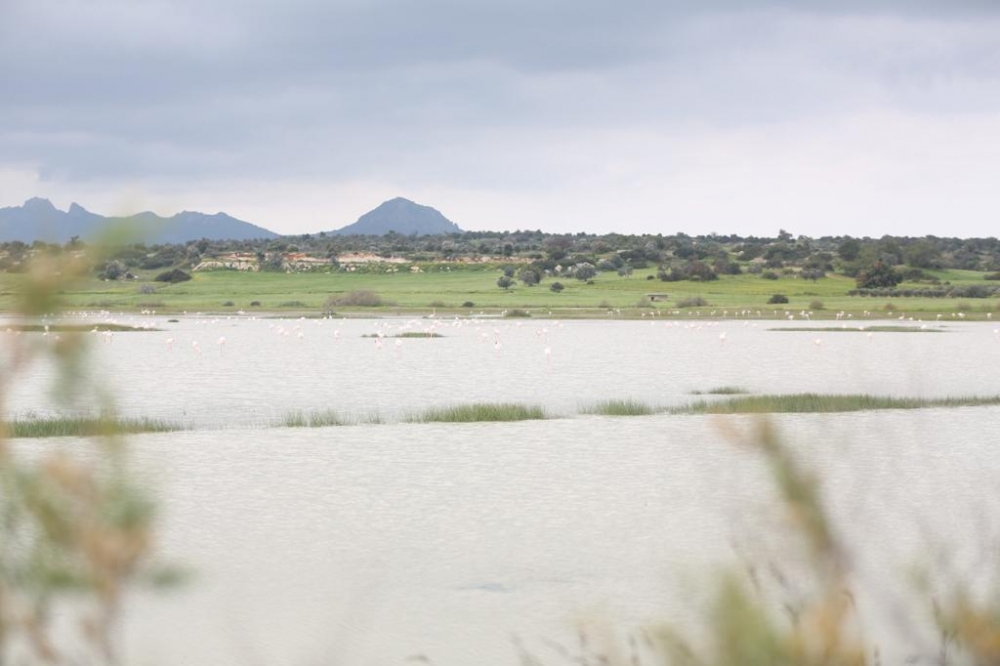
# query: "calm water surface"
[[387, 544]]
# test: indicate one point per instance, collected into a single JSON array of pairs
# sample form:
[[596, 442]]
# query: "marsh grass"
[[407, 334], [861, 329], [620, 407], [799, 403], [320, 419], [87, 426], [481, 411], [76, 328], [722, 390]]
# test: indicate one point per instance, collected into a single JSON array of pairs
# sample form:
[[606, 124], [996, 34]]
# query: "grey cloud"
[[184, 89]]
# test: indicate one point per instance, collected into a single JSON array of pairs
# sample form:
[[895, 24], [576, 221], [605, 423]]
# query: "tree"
[[585, 271], [849, 249], [878, 276], [529, 276], [504, 282], [922, 254], [556, 287]]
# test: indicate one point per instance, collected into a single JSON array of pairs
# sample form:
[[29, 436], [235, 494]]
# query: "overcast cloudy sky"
[[844, 116]]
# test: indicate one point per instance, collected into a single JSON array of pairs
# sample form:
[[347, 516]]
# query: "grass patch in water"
[[76, 328], [816, 402], [620, 407], [723, 390], [86, 426], [407, 334], [320, 419], [476, 412], [860, 329]]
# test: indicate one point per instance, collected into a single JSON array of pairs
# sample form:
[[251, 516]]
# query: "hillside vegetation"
[[582, 274]]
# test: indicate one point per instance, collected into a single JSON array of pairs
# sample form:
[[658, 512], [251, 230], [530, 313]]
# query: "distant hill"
[[403, 217], [38, 219]]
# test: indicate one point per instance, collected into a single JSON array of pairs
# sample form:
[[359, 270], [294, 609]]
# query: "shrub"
[[878, 275], [147, 289], [228, 304], [777, 299], [556, 287], [692, 302], [255, 304], [516, 313], [468, 304], [173, 277], [769, 275], [360, 298], [913, 274], [816, 305], [992, 276]]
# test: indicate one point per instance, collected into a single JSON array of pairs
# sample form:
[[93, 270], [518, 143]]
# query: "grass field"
[[450, 291]]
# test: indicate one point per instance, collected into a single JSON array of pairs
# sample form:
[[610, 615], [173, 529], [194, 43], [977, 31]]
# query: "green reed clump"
[[406, 334], [817, 402], [620, 407], [857, 329], [76, 328], [373, 418], [87, 426], [319, 419], [723, 390], [500, 411]]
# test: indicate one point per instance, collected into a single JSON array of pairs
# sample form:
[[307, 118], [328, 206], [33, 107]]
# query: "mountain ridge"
[[38, 219]]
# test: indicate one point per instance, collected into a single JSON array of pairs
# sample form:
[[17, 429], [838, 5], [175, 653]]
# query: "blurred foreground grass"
[[76, 527]]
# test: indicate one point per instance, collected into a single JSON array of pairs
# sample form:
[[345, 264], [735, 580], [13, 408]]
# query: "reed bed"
[[406, 334], [723, 390], [320, 419], [819, 403], [620, 407], [859, 329], [76, 328], [87, 426], [477, 412]]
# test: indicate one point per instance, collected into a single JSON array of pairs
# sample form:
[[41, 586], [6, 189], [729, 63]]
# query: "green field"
[[447, 291]]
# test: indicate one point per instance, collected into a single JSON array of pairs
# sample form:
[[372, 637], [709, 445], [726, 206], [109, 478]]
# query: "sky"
[[859, 117]]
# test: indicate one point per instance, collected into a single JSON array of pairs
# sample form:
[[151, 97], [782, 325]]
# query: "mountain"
[[403, 217], [38, 219]]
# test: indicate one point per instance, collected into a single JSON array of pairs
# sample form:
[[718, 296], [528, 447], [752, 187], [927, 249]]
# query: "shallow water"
[[377, 544], [239, 372]]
